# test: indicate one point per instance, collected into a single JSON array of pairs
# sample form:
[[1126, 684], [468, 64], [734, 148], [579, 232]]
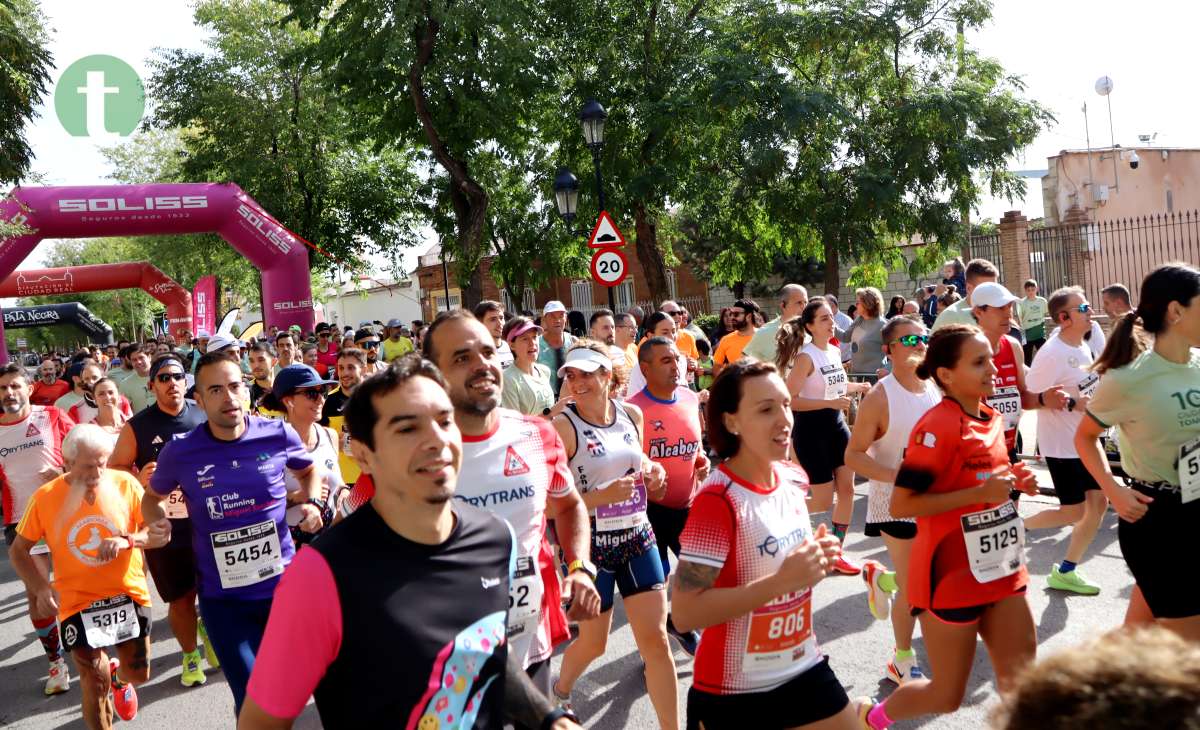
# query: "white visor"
[[585, 359]]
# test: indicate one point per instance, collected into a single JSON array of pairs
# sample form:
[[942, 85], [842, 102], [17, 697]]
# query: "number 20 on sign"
[[609, 266]]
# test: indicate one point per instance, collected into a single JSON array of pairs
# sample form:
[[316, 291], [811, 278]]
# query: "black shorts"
[[1071, 479], [963, 615], [173, 569], [74, 629], [668, 526], [898, 529], [811, 697], [1153, 548], [820, 439], [10, 534]]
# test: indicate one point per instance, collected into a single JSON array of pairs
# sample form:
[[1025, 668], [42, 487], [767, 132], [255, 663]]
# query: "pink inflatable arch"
[[161, 208], [102, 277]]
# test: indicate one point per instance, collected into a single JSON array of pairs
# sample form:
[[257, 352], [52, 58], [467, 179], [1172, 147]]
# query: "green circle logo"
[[101, 97]]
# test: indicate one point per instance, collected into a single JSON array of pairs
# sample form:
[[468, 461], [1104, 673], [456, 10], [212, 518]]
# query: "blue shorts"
[[236, 629], [639, 574]]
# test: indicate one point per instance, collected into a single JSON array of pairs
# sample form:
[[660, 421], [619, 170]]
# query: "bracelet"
[[557, 714], [1041, 401]]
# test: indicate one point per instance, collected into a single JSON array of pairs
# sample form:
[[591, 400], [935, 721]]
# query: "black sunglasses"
[[168, 377], [312, 394]]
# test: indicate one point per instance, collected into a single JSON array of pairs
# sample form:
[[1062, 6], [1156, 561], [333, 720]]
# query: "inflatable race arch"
[[103, 277], [75, 314], [168, 208]]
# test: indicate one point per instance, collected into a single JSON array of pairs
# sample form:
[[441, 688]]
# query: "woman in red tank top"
[[967, 571]]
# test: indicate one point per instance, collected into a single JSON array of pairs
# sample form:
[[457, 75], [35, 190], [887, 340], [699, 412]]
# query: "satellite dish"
[[1104, 86]]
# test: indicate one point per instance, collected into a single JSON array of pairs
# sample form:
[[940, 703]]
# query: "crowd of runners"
[[409, 526]]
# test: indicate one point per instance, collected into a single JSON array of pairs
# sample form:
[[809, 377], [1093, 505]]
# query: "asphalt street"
[[611, 695]]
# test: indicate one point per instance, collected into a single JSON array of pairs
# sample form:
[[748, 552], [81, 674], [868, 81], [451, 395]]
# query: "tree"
[[258, 112], [25, 64]]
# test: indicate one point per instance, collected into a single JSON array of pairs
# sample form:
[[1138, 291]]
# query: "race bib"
[[624, 515], [834, 376], [1189, 470], [175, 506], [247, 555], [995, 541], [1087, 386], [1007, 402], [778, 633], [524, 598], [110, 621]]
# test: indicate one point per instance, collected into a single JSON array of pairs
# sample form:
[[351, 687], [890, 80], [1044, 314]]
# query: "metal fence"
[[1125, 251], [987, 247], [1048, 262]]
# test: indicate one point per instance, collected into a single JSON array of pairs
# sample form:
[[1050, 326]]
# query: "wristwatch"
[[557, 714], [582, 565]]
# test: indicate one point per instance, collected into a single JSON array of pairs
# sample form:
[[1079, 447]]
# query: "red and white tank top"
[[672, 437], [511, 472], [746, 530], [1006, 401], [27, 448]]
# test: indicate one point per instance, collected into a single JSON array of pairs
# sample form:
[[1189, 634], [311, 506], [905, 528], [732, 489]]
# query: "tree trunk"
[[833, 280], [649, 255]]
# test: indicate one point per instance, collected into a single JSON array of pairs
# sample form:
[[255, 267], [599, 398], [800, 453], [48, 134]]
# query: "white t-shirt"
[[1095, 343], [1060, 364], [504, 354]]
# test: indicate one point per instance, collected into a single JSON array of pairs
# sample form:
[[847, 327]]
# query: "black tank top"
[[153, 429], [439, 609]]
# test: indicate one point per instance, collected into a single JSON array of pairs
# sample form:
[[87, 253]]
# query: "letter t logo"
[[95, 92]]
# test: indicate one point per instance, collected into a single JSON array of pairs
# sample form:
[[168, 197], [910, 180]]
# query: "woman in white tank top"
[[885, 421]]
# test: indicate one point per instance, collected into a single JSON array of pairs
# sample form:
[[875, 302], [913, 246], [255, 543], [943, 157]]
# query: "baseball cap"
[[553, 306], [991, 294], [293, 377], [220, 341], [323, 327], [395, 322], [365, 334], [585, 359]]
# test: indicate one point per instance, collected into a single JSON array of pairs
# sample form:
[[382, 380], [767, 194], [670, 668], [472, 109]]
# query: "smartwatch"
[[584, 566], [557, 714]]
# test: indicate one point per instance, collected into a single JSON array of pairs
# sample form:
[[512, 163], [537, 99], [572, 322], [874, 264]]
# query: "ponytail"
[[788, 341], [1125, 343], [1168, 283]]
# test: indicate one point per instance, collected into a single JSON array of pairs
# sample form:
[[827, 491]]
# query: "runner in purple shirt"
[[231, 471]]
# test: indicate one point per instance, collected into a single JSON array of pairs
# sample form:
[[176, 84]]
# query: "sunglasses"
[[312, 394], [1084, 308], [371, 345], [912, 340], [168, 377]]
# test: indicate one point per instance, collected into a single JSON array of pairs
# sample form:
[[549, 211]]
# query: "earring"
[[735, 433]]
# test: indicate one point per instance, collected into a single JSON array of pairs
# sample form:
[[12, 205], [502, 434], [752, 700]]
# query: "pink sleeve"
[[303, 637], [561, 481]]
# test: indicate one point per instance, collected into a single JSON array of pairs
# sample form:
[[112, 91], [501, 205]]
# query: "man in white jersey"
[[30, 455], [515, 466], [491, 314], [1063, 362]]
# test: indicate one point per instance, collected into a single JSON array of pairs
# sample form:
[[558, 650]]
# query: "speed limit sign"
[[609, 266]]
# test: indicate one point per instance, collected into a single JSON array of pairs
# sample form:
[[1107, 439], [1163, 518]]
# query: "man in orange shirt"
[[729, 349], [91, 519]]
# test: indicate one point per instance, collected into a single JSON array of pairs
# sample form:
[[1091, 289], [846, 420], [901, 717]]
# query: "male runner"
[[82, 374], [554, 341], [351, 369], [602, 327], [231, 472], [396, 344], [792, 300], [625, 337], [491, 314], [671, 436], [262, 369], [1114, 300], [327, 347], [49, 387], [135, 387], [336, 631], [285, 346], [367, 341], [30, 455], [91, 519], [173, 567], [514, 466], [729, 349], [979, 271]]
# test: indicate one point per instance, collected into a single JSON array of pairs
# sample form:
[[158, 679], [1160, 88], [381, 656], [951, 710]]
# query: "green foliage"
[[25, 65]]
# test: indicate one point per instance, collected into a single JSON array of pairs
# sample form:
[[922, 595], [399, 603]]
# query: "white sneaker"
[[60, 680], [903, 671]]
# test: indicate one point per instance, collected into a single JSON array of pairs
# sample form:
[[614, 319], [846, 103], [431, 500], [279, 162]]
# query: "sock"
[[905, 653], [116, 681], [887, 581], [1066, 566], [840, 531], [877, 718], [47, 631]]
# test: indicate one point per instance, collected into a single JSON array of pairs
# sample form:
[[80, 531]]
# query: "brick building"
[[580, 294]]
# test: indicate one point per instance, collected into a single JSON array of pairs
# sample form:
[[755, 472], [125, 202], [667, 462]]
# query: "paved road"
[[611, 695]]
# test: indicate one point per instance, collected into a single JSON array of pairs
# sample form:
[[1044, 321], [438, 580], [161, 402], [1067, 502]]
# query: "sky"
[[1058, 47]]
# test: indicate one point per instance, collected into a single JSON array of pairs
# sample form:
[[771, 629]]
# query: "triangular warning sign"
[[513, 464], [606, 233], [32, 431]]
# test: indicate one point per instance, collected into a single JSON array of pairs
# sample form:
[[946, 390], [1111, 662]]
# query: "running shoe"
[[1072, 581], [878, 600], [192, 673], [689, 641], [845, 567], [903, 671], [60, 679], [561, 701], [125, 700], [210, 654]]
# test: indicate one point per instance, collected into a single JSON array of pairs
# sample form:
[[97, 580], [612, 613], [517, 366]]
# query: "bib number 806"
[[786, 625]]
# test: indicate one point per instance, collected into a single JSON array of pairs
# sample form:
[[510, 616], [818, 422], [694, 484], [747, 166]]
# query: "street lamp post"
[[566, 185]]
